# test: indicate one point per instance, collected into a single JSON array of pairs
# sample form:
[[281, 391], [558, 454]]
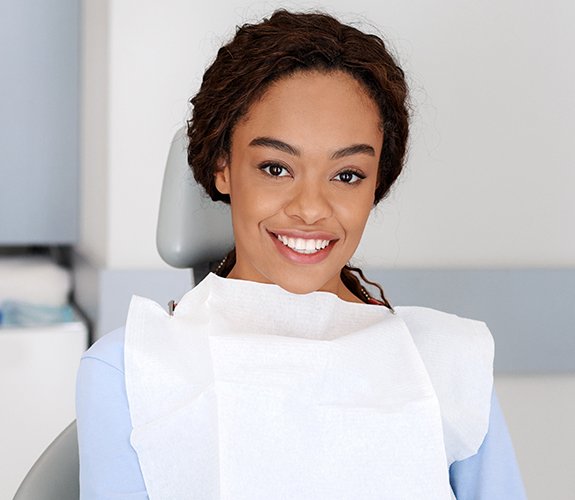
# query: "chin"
[[299, 290], [301, 286]]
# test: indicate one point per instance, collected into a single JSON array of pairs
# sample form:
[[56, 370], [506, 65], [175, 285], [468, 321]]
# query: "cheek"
[[355, 220], [251, 205], [353, 214]]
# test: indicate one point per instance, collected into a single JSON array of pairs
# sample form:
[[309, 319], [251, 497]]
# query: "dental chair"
[[54, 476], [192, 232]]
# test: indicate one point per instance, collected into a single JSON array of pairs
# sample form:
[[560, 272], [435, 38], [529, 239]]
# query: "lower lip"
[[302, 258]]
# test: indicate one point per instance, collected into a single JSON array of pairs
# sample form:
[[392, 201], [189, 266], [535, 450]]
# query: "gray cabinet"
[[39, 121]]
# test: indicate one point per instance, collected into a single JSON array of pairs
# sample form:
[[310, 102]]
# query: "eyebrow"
[[270, 142], [353, 150]]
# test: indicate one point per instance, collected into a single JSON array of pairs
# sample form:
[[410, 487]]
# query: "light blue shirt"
[[109, 467]]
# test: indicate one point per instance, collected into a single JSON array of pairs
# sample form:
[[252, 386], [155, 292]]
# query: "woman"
[[280, 376]]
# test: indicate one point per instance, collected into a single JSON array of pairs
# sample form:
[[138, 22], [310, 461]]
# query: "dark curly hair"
[[277, 47]]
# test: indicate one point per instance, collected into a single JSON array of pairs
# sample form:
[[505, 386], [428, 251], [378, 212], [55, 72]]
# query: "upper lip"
[[306, 235]]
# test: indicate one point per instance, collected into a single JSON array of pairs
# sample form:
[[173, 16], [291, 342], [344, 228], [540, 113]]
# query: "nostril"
[[309, 207]]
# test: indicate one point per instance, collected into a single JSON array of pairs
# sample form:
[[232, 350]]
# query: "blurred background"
[[481, 222]]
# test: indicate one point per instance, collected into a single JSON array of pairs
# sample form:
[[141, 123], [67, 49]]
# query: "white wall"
[[94, 157], [490, 181], [490, 178], [540, 412]]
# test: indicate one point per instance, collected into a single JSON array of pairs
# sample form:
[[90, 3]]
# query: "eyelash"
[[360, 176], [265, 166], [268, 165]]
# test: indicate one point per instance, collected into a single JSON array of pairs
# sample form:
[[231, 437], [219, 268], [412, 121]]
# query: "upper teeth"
[[302, 245]]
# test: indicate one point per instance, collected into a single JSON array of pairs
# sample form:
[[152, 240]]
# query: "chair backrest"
[[192, 229], [55, 475]]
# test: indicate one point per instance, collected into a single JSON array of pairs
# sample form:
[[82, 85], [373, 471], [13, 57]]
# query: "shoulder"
[[100, 381], [108, 463], [100, 376], [463, 335], [458, 355], [109, 349], [428, 319], [450, 344]]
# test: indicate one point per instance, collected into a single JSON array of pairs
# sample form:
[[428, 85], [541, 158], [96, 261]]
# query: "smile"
[[303, 245]]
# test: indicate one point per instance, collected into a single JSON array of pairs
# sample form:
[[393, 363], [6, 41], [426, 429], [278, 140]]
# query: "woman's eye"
[[275, 170], [349, 177]]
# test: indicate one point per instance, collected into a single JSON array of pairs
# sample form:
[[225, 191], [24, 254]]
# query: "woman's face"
[[301, 178]]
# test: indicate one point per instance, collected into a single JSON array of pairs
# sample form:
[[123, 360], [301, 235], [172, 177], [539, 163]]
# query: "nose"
[[308, 203]]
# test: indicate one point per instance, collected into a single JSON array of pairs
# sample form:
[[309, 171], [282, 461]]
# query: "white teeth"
[[303, 245]]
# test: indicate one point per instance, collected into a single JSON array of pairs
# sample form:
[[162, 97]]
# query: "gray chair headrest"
[[192, 229]]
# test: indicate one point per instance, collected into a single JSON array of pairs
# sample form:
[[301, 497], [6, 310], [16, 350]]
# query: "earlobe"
[[222, 177]]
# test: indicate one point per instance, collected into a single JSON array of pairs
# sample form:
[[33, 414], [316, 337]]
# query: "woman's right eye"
[[274, 170]]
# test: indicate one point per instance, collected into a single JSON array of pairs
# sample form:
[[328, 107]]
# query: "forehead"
[[328, 108]]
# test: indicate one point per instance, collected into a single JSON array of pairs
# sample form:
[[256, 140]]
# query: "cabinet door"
[[38, 368], [39, 80]]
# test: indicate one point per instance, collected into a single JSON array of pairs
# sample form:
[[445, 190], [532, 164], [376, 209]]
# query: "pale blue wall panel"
[[39, 122], [530, 312]]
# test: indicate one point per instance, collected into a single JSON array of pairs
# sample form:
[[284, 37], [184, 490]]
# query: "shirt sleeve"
[[492, 473], [109, 467]]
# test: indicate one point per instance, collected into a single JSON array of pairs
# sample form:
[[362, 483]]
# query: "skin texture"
[[304, 182]]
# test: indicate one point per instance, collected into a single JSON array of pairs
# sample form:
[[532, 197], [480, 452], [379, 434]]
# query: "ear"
[[222, 176]]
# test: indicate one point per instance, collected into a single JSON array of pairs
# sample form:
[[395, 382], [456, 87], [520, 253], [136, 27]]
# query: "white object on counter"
[[35, 280]]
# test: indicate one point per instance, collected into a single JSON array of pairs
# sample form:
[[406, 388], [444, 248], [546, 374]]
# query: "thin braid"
[[226, 264], [351, 281]]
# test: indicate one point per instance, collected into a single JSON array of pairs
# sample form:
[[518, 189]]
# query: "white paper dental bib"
[[250, 392]]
